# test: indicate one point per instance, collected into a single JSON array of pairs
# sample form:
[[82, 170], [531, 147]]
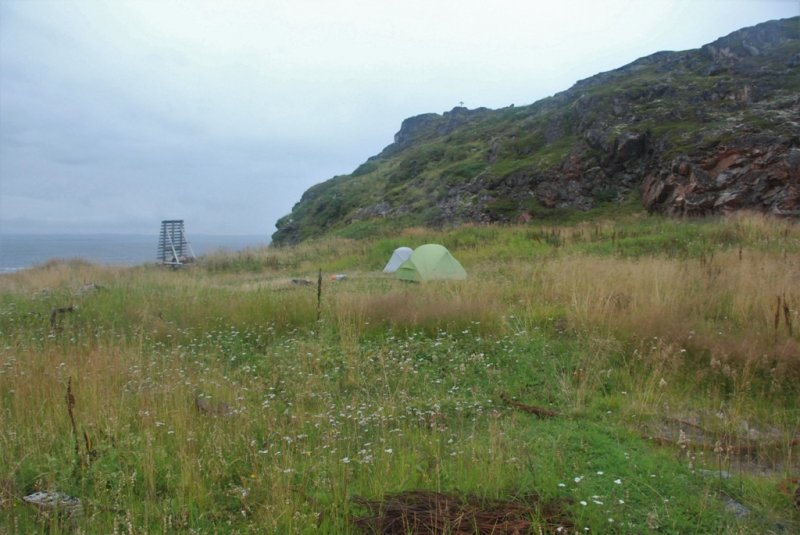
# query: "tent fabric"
[[400, 255], [430, 262]]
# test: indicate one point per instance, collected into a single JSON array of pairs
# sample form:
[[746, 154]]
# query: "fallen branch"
[[686, 423], [541, 412]]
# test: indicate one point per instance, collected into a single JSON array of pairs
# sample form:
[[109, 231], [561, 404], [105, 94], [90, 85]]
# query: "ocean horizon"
[[22, 251]]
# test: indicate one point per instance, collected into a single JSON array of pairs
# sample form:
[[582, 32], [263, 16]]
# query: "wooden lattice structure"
[[173, 247]]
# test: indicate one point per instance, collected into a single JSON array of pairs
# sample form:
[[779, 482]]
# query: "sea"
[[21, 251]]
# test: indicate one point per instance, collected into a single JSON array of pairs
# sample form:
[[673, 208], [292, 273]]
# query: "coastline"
[[23, 251]]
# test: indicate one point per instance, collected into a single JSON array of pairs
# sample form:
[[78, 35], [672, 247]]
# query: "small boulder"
[[735, 508], [55, 502], [630, 145]]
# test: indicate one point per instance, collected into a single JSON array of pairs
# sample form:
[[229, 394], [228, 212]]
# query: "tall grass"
[[617, 326]]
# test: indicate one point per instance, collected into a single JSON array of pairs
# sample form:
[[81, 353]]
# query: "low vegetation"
[[633, 375]]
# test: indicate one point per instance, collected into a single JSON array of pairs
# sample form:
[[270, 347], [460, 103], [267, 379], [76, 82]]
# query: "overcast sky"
[[115, 115]]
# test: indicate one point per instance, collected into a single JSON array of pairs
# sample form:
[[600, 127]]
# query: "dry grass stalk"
[[319, 295], [90, 452], [679, 300], [8, 493], [791, 488], [206, 406], [426, 307], [782, 306], [787, 315]]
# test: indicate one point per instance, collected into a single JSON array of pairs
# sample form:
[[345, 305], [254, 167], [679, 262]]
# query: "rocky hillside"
[[689, 133]]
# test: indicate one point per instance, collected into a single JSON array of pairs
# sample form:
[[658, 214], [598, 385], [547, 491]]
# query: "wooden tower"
[[173, 247]]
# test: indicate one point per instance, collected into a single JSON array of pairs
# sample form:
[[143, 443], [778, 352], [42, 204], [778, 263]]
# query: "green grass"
[[627, 328]]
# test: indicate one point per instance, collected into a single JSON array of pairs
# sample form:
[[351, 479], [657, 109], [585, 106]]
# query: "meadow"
[[628, 375]]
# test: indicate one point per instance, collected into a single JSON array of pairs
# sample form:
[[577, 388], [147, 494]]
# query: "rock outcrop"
[[691, 133], [762, 178]]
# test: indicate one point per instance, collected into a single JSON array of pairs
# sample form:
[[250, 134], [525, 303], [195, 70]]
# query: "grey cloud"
[[116, 114]]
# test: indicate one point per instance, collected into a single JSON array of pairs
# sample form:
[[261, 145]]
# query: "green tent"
[[430, 262]]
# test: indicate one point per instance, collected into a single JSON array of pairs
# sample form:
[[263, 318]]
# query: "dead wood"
[[71, 405], [428, 512], [91, 454], [541, 412]]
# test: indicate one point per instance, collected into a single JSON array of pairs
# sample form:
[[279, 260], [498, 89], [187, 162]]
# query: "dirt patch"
[[428, 513]]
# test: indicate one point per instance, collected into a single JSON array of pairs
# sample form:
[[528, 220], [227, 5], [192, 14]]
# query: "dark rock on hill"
[[696, 132], [417, 128]]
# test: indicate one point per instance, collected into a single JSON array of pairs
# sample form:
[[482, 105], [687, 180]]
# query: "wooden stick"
[[541, 412], [319, 295], [70, 405]]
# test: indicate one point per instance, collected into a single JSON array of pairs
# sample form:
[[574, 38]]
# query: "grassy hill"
[[697, 132], [629, 375]]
